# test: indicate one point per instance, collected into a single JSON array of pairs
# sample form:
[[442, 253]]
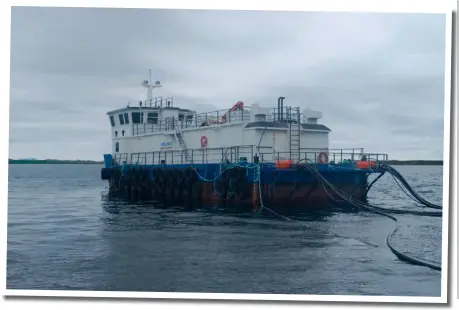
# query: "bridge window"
[[117, 147], [126, 118], [152, 118], [189, 120], [112, 120], [122, 133], [116, 133], [137, 117], [121, 119]]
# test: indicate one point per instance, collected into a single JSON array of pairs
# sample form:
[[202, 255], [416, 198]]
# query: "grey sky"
[[378, 78]]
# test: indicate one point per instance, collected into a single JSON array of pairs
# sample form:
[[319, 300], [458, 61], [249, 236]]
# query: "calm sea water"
[[65, 234]]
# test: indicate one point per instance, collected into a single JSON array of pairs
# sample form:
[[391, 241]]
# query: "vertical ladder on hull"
[[181, 141], [295, 133]]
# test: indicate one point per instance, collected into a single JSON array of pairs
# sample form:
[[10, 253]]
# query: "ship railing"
[[221, 117], [160, 126], [195, 156], [156, 102], [120, 158], [285, 114], [247, 152], [325, 155], [198, 120]]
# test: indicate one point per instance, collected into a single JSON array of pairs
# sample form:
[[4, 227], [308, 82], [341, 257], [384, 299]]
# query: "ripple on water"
[[62, 234]]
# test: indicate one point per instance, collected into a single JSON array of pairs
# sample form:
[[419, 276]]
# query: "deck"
[[235, 174]]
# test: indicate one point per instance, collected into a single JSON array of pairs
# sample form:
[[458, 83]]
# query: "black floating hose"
[[413, 212], [417, 197], [366, 206], [409, 259], [374, 181], [346, 198]]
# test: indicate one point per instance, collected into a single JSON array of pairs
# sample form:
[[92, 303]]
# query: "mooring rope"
[[349, 199], [230, 166], [366, 206], [262, 206]]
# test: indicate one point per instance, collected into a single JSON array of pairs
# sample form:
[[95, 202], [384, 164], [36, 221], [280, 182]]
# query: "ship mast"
[[148, 84]]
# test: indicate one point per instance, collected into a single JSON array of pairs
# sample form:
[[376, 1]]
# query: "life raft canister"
[[322, 158], [203, 141]]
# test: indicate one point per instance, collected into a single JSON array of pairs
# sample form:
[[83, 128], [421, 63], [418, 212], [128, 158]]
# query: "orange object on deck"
[[284, 163], [238, 106], [365, 164]]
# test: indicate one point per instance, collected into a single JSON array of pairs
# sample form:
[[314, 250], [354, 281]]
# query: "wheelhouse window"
[[112, 120], [126, 118], [137, 117], [117, 147], [189, 120], [152, 118], [121, 119]]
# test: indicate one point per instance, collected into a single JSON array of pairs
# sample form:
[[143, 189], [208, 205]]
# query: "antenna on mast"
[[150, 86]]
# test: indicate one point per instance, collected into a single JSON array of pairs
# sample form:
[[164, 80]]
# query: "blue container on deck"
[[108, 159]]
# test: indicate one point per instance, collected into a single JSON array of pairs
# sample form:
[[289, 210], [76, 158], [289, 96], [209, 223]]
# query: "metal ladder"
[[178, 135], [295, 132]]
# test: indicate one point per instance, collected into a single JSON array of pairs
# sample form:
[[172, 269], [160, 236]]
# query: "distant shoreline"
[[92, 162], [52, 161], [415, 162]]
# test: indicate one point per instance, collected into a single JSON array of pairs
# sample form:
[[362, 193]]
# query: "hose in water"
[[396, 175], [378, 210], [395, 211], [262, 207]]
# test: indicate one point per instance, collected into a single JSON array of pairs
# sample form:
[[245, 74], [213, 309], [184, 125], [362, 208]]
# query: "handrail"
[[179, 132], [219, 154], [183, 147], [117, 159], [332, 157], [207, 155], [200, 120], [359, 149], [156, 102]]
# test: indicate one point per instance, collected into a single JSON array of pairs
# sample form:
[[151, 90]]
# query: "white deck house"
[[157, 130]]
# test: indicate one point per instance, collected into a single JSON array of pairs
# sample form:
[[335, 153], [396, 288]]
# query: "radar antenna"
[[148, 84]]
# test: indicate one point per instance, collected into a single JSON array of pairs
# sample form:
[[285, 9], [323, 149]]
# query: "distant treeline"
[[416, 162], [52, 161]]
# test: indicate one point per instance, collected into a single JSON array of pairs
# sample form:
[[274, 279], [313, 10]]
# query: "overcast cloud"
[[378, 78]]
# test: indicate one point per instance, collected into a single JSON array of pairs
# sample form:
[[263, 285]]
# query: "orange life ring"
[[322, 158], [203, 141]]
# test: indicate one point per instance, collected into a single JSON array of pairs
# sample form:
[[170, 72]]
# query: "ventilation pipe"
[[278, 108], [282, 107]]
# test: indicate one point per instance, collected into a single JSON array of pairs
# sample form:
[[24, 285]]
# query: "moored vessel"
[[244, 154]]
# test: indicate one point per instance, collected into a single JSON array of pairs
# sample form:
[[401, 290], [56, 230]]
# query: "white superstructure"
[[158, 125]]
